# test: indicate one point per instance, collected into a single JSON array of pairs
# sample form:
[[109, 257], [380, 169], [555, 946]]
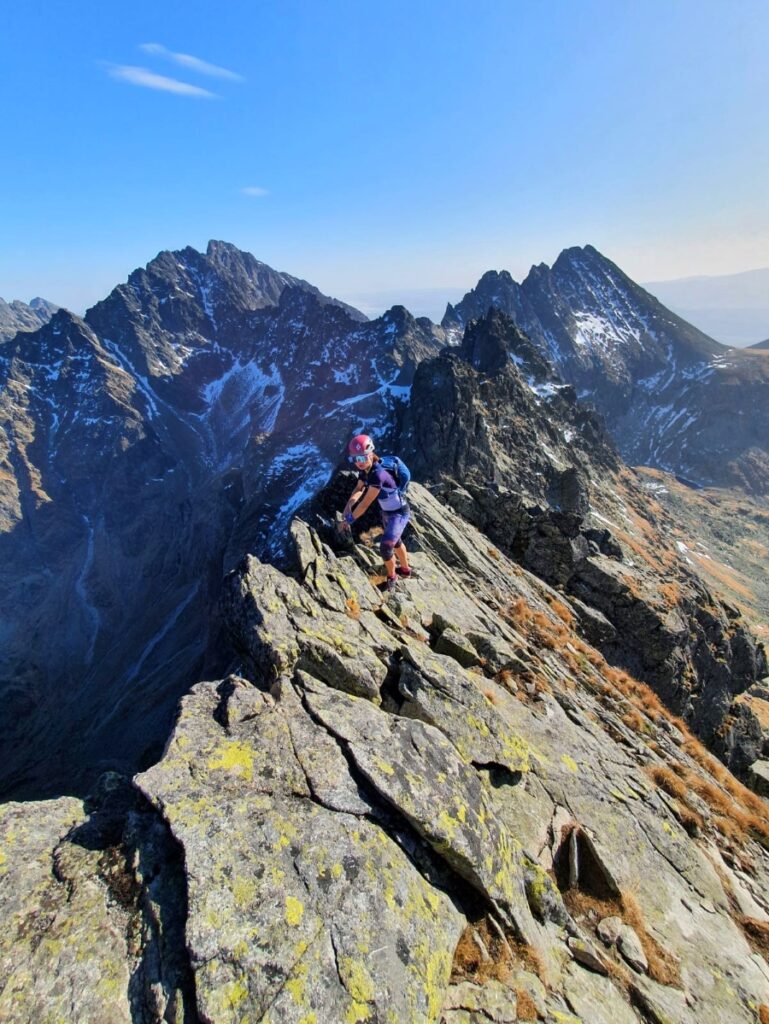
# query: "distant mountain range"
[[19, 316], [734, 308]]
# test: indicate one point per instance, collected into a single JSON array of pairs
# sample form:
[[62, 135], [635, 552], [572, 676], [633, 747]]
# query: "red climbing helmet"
[[361, 444]]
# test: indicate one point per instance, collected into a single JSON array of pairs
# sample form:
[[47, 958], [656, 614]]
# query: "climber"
[[385, 478]]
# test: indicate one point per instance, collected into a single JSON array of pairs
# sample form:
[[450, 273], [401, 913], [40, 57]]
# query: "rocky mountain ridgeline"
[[19, 316], [503, 441], [672, 397], [143, 449], [435, 805], [188, 417]]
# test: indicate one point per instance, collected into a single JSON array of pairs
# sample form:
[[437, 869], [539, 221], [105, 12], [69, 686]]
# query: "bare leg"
[[402, 556]]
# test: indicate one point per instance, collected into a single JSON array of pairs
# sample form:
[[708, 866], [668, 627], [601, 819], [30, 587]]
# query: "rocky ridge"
[[19, 316], [499, 436], [438, 806], [672, 397]]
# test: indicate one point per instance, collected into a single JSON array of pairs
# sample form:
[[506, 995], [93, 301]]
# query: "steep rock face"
[[18, 316], [672, 396], [368, 826], [507, 444], [143, 450]]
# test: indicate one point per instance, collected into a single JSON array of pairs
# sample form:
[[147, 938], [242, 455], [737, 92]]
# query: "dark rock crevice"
[[426, 856]]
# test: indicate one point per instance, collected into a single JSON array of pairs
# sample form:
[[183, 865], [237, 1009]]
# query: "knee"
[[386, 549]]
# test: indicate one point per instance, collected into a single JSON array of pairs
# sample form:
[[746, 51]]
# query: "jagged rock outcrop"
[[506, 443], [672, 397], [411, 841]]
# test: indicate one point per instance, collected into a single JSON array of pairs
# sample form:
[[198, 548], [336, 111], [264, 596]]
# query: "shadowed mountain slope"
[[184, 418]]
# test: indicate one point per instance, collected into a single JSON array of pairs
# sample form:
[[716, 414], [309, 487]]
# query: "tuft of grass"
[[635, 721], [561, 611], [505, 953], [526, 1007], [692, 822], [667, 780], [664, 968], [763, 1013], [353, 607], [671, 593]]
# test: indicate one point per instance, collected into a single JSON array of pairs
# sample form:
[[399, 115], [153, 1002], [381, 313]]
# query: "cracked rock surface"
[[369, 822]]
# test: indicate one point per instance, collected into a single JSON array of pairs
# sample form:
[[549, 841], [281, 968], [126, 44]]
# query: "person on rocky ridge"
[[386, 479]]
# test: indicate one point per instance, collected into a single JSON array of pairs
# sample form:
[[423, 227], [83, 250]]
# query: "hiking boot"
[[391, 582], [404, 573]]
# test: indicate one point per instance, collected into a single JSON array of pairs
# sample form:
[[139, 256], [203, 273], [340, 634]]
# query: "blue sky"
[[392, 148]]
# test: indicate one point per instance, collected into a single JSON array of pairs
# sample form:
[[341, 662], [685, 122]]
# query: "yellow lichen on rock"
[[356, 980], [294, 911], [233, 755]]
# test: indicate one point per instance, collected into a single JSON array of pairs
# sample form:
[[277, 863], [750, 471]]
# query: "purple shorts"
[[394, 524]]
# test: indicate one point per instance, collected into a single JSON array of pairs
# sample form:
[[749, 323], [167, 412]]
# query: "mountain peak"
[[18, 316], [582, 255]]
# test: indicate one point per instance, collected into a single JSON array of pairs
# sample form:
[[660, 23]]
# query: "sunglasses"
[[359, 458]]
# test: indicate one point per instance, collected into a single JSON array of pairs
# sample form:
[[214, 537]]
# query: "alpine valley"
[[244, 784]]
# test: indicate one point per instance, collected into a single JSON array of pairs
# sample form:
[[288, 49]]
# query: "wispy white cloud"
[[254, 190], [192, 63], [148, 79]]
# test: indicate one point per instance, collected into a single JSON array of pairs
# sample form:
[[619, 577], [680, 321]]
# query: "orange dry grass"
[[504, 955], [758, 935], [667, 780], [518, 612], [724, 577], [633, 720], [671, 592], [692, 822], [353, 608], [525, 1005], [739, 814], [760, 708], [561, 610], [469, 964], [663, 967], [763, 1013]]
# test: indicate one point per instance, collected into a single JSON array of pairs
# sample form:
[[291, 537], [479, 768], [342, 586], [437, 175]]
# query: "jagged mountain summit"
[[19, 316], [144, 448], [672, 397]]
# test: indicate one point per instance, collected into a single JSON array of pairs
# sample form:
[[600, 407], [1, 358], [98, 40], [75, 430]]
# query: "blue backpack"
[[399, 471]]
